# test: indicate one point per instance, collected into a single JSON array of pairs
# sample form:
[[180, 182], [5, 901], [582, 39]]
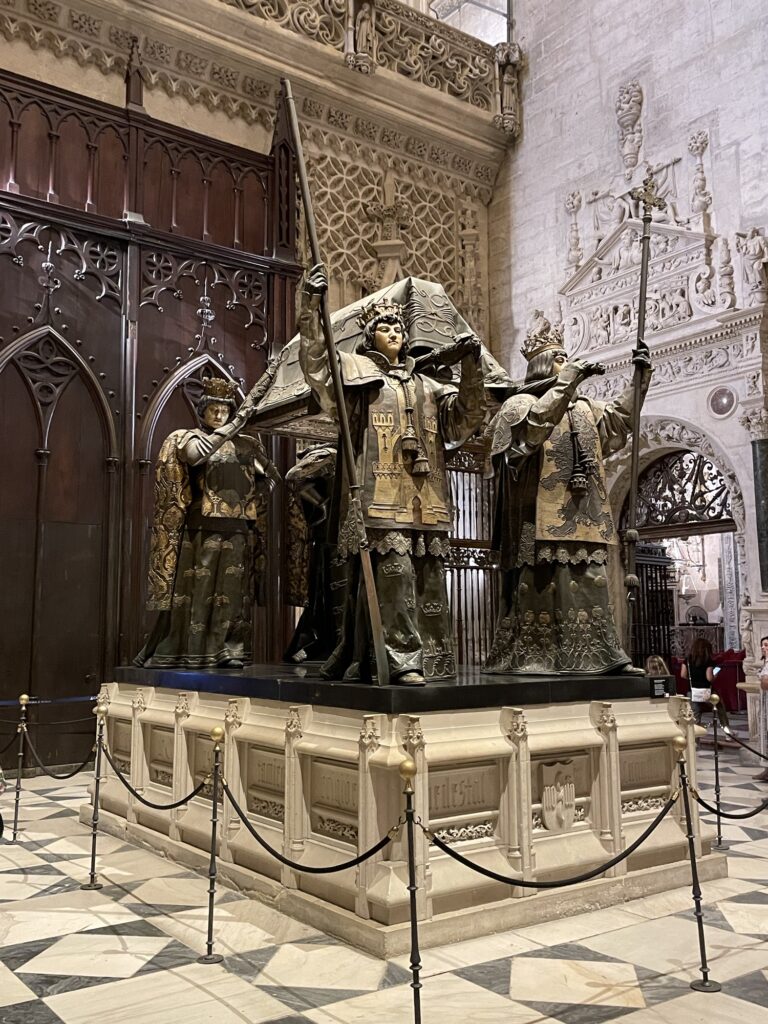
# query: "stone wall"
[[699, 65]]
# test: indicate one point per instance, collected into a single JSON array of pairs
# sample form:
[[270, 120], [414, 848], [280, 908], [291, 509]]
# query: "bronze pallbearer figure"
[[208, 548], [553, 525]]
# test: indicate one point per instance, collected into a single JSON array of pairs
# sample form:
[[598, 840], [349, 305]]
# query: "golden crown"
[[542, 336], [219, 389], [378, 309]]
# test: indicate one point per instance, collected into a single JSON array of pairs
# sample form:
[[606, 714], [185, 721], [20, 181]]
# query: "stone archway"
[[659, 436]]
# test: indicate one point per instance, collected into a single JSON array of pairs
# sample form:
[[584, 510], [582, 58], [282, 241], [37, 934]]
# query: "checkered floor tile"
[[128, 953]]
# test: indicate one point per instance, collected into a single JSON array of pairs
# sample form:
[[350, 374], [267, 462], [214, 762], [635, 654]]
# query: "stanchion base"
[[721, 846], [214, 958], [705, 986], [91, 885]]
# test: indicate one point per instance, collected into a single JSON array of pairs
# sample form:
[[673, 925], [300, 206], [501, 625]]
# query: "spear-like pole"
[[650, 200], [374, 611]]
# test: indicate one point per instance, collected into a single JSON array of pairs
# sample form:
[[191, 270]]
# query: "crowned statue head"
[[217, 402], [384, 330], [543, 348]]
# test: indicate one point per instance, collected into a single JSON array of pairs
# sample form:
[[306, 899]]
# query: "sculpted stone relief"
[[380, 219], [692, 280]]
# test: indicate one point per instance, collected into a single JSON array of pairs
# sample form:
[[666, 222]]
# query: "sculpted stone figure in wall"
[[400, 423], [208, 545], [553, 524], [753, 249]]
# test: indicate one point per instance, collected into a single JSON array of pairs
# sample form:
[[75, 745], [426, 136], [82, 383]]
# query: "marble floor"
[[128, 952]]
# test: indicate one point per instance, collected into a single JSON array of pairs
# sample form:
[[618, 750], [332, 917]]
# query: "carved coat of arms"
[[558, 797]]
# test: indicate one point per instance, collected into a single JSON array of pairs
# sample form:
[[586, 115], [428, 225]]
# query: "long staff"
[[374, 611], [648, 197]]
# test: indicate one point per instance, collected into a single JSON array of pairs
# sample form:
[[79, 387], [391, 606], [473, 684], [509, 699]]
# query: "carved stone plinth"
[[546, 790]]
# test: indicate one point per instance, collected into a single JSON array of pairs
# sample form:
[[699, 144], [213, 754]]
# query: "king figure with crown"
[[400, 424], [553, 525], [208, 545]]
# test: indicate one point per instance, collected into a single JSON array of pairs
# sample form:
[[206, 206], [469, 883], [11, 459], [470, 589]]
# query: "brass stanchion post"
[[704, 984], [217, 735], [714, 700], [101, 712], [408, 774], [22, 731]]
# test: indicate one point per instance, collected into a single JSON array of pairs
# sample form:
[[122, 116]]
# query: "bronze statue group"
[[553, 528]]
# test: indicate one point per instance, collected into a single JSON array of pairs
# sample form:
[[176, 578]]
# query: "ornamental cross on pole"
[[648, 196]]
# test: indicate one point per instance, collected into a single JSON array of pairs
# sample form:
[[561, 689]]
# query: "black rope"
[[746, 746], [66, 721], [506, 880], [303, 867], [150, 803], [52, 775], [725, 814], [9, 743]]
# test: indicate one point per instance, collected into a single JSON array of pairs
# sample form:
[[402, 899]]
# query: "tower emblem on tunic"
[[558, 797]]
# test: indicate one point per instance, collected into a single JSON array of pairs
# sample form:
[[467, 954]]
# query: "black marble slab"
[[472, 689]]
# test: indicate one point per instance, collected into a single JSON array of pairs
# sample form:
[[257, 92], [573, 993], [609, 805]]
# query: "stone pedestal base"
[[547, 791]]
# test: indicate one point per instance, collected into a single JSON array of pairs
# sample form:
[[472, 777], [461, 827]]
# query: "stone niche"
[[548, 791]]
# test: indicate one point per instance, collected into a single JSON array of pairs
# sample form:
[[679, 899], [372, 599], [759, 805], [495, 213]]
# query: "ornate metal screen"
[[471, 572], [679, 491], [653, 623]]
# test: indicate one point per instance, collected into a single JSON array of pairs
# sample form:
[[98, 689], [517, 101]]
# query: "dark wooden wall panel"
[[17, 528], [32, 170], [107, 326], [72, 161], [110, 172]]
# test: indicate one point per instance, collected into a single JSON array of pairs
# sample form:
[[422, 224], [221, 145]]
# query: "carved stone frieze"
[[393, 36], [342, 830], [45, 10], [465, 833], [220, 84], [61, 44], [680, 364], [637, 804], [273, 809], [85, 23]]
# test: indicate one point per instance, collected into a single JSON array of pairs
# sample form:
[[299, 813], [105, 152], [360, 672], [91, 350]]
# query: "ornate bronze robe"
[[553, 537], [407, 515], [208, 550]]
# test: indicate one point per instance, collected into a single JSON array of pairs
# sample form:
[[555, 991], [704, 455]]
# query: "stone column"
[[367, 811], [232, 773], [296, 823], [139, 767], [182, 776], [755, 422], [415, 745], [609, 783], [518, 803]]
